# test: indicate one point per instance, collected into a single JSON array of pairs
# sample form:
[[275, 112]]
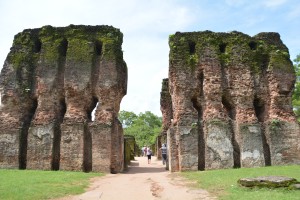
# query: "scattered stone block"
[[296, 186], [268, 182]]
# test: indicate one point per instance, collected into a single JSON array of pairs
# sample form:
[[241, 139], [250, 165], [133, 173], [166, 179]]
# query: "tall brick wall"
[[50, 83], [231, 101]]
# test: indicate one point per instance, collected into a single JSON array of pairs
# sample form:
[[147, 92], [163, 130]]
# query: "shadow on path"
[[141, 181], [140, 165]]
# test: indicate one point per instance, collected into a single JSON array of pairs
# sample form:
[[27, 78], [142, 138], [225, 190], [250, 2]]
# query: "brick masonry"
[[52, 80], [229, 101]]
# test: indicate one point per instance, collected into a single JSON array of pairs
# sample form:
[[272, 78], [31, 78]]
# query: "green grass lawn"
[[32, 184], [223, 183]]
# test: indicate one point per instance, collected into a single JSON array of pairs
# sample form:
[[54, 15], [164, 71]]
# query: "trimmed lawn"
[[223, 183], [33, 184]]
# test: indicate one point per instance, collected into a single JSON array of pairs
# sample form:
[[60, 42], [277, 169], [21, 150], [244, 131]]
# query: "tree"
[[296, 94], [145, 127], [127, 118]]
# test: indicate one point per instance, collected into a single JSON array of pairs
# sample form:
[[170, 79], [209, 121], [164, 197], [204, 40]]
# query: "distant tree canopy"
[[145, 127], [296, 94]]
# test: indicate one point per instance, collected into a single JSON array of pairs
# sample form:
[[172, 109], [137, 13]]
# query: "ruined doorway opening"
[[37, 46], [198, 107], [63, 48], [201, 141], [57, 135], [63, 109], [87, 136], [252, 45], [98, 48], [87, 149], [92, 109], [222, 47], [259, 108], [27, 118], [192, 47], [62, 51], [236, 148], [260, 113], [93, 114]]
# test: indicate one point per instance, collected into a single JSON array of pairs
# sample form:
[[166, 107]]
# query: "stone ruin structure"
[[227, 102], [129, 150], [50, 83]]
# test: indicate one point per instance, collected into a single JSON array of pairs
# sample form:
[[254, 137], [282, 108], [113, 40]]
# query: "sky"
[[147, 24]]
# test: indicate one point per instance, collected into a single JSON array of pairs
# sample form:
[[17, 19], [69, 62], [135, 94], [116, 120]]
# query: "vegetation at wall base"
[[33, 184], [223, 183]]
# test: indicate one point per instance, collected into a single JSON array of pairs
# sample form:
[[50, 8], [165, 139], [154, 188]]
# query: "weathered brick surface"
[[9, 147], [72, 146], [231, 101], [158, 144], [172, 147], [51, 81], [130, 145], [166, 108], [167, 112]]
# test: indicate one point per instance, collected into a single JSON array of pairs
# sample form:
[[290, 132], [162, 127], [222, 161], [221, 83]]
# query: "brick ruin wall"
[[129, 150], [167, 113], [51, 81], [227, 102]]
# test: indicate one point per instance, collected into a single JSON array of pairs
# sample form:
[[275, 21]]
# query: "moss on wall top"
[[165, 85], [80, 43], [164, 94], [265, 50]]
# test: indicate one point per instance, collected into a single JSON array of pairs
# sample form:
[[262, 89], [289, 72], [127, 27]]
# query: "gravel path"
[[141, 181]]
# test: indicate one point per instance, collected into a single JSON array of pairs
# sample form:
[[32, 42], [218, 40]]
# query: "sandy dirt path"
[[141, 181]]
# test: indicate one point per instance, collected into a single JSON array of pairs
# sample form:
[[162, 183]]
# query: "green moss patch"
[[260, 53]]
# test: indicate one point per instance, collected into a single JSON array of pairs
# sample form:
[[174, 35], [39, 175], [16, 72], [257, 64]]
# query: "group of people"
[[146, 151]]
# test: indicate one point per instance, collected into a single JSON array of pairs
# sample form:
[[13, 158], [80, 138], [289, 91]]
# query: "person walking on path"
[[149, 154], [145, 151], [164, 153]]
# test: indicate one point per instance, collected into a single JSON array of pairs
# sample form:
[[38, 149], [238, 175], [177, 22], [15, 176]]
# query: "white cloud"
[[274, 3]]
